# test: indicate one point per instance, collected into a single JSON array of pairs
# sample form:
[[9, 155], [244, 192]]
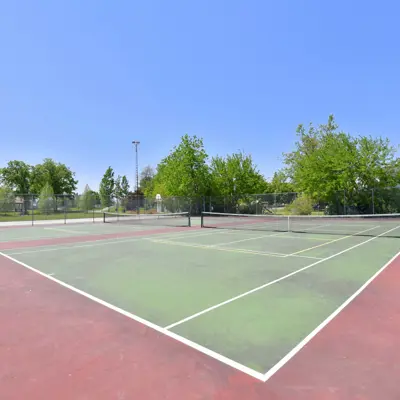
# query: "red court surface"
[[57, 344]]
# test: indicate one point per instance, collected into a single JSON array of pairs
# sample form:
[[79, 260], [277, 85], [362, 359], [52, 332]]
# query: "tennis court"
[[288, 306]]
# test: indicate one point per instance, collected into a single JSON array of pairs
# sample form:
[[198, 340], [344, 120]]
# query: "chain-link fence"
[[31, 208], [373, 201]]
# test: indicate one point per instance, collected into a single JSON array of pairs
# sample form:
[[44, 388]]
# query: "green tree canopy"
[[280, 183], [184, 172], [124, 187], [17, 176], [107, 186], [235, 174], [326, 160], [147, 180], [7, 199], [57, 175], [121, 189], [46, 199], [87, 200]]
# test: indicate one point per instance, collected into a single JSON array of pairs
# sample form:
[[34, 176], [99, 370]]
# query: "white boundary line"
[[227, 249], [99, 242], [187, 342], [232, 299], [333, 241], [89, 243], [67, 231], [212, 247], [211, 353], [247, 239], [321, 326]]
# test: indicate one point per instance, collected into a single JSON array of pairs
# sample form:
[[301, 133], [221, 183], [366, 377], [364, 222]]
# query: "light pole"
[[136, 144]]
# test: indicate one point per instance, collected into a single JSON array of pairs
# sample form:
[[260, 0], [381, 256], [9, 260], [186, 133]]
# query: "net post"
[[104, 217], [189, 221], [288, 223], [202, 220]]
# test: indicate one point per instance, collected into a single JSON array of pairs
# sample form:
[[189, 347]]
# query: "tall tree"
[[96, 197], [17, 176], [184, 172], [7, 200], [46, 199], [124, 187], [117, 191], [107, 186], [341, 169], [146, 180], [87, 200], [280, 183], [121, 188], [57, 175], [236, 174]]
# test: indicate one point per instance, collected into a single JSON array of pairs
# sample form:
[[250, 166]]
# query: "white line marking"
[[310, 257], [333, 241], [321, 326], [90, 243], [211, 247], [17, 239], [181, 339], [247, 239], [207, 310], [234, 250], [67, 231], [94, 233], [44, 249]]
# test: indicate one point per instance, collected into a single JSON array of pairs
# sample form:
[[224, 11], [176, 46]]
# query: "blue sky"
[[79, 80]]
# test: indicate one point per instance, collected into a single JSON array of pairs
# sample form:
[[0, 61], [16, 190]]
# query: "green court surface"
[[249, 296]]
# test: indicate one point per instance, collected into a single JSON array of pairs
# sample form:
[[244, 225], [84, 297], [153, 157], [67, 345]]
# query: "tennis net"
[[387, 225], [173, 220]]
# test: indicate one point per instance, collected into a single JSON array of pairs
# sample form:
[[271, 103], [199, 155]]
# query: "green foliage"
[[302, 205], [96, 197], [24, 178], [121, 189], [117, 188], [57, 175], [326, 161], [17, 176], [235, 174], [87, 200], [47, 201], [280, 183], [124, 189], [107, 186], [147, 180], [7, 199], [184, 172]]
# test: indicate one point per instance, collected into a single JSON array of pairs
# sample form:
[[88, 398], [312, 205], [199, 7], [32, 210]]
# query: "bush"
[[302, 205]]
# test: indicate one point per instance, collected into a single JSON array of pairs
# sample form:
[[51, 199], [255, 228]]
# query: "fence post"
[[373, 201], [256, 204], [65, 208], [344, 202], [33, 218]]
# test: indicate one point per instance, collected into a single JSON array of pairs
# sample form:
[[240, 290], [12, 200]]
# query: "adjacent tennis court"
[[255, 294]]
